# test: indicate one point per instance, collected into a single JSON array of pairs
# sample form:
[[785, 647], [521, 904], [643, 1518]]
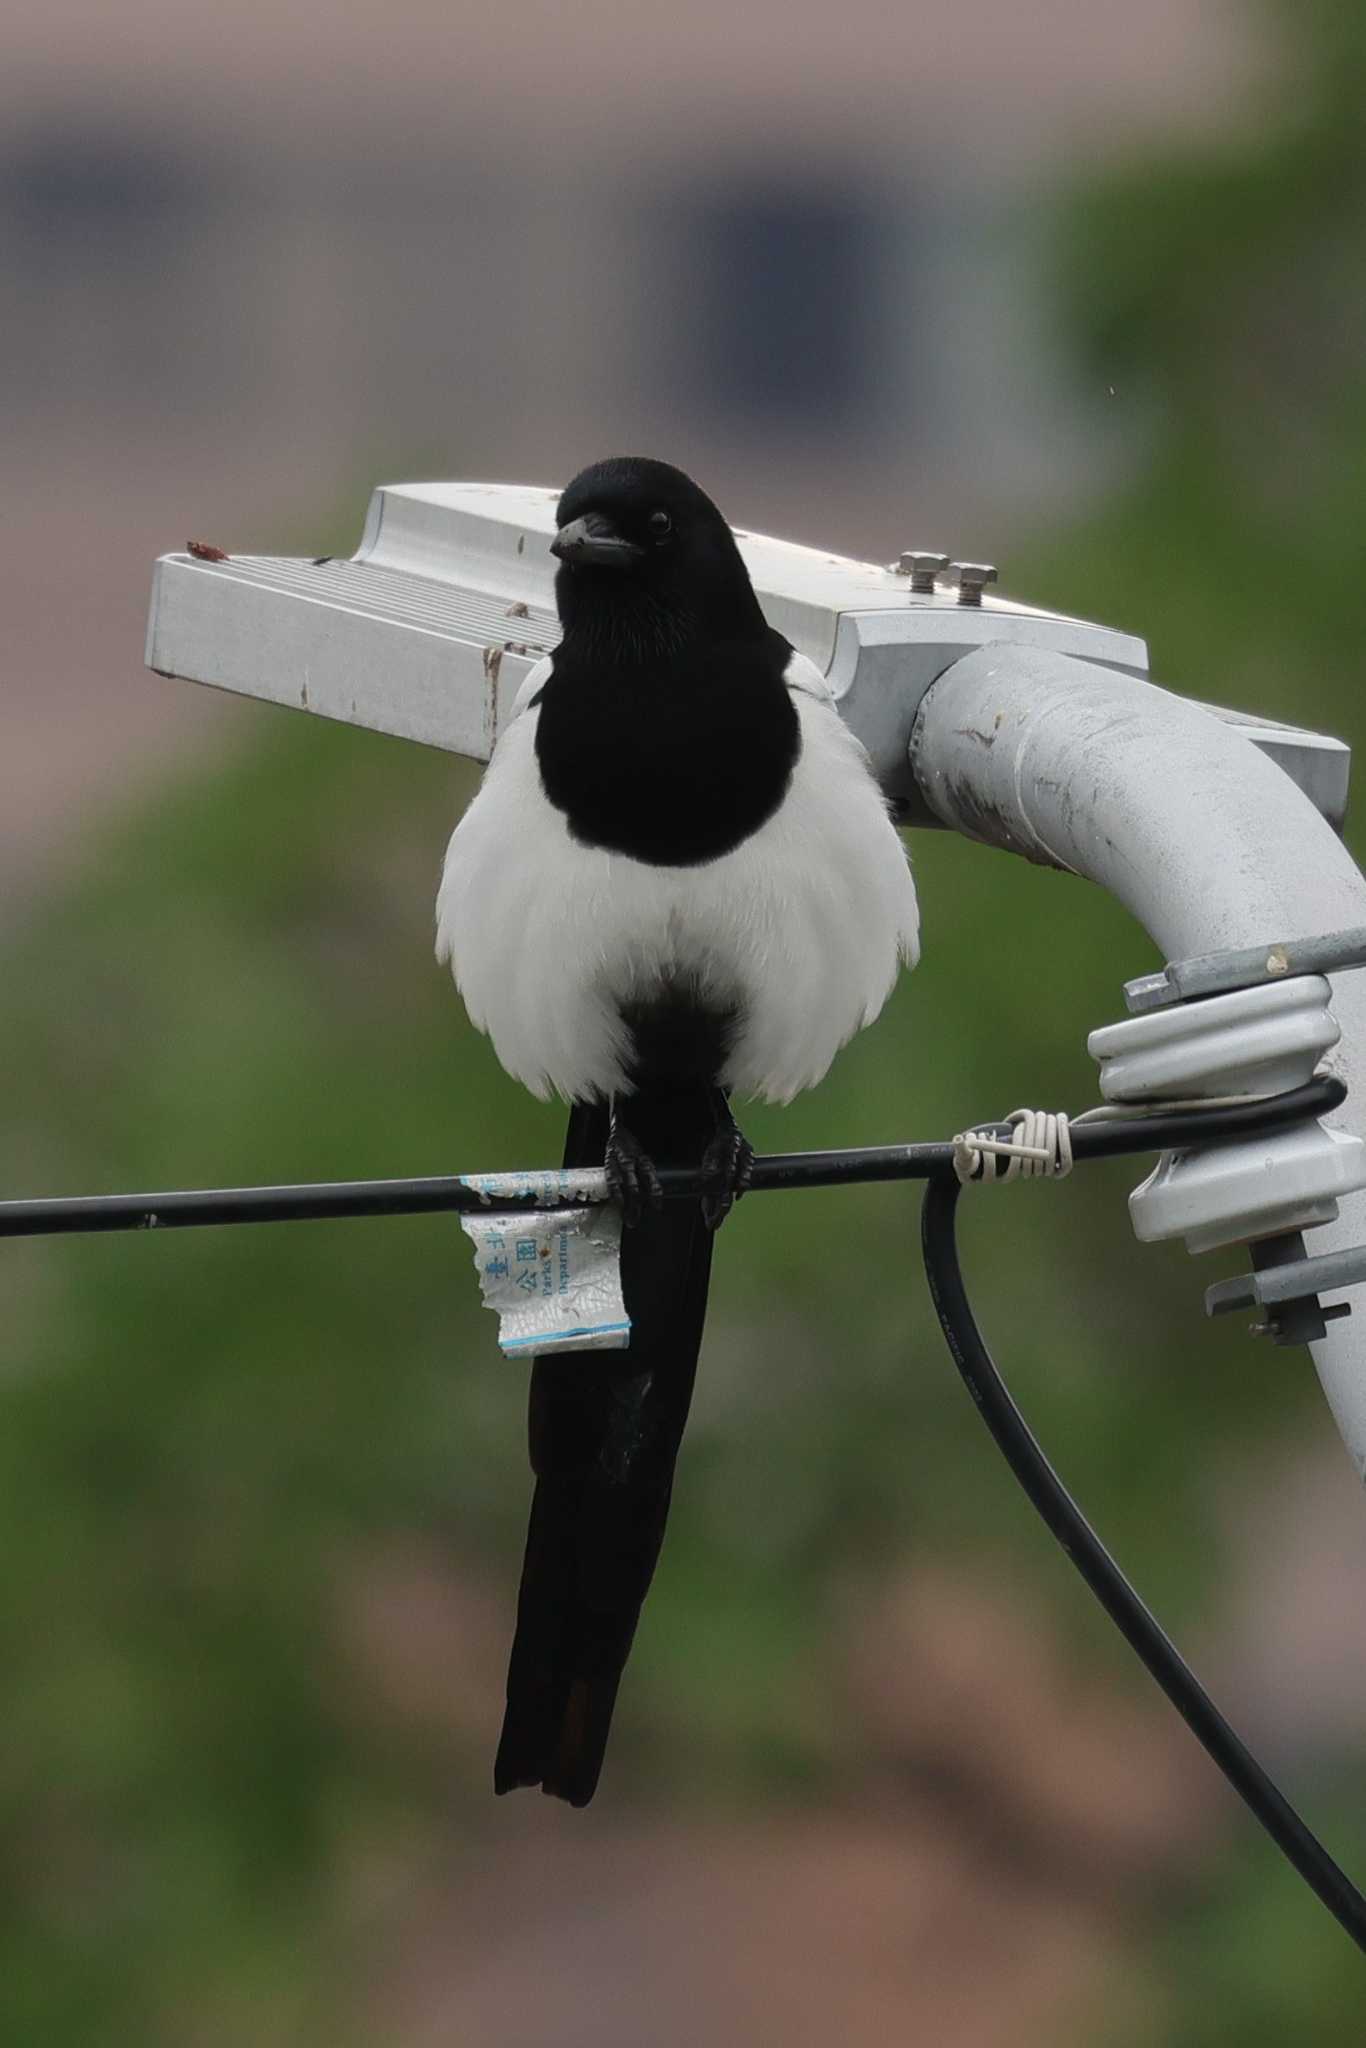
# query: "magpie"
[[679, 881]]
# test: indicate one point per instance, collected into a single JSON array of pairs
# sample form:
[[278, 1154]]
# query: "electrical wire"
[[1104, 1133], [1106, 1138], [1084, 1548]]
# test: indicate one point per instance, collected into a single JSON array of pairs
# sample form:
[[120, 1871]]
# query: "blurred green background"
[[878, 1765]]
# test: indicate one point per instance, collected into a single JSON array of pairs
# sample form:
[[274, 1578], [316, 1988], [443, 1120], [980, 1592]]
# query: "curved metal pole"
[[1200, 836]]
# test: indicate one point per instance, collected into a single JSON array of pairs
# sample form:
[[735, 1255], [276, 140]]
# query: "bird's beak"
[[593, 539]]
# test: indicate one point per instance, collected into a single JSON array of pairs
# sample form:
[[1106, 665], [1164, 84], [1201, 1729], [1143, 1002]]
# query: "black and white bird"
[[678, 881]]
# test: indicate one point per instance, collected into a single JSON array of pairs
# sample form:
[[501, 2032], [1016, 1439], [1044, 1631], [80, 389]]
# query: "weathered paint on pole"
[[1182, 819]]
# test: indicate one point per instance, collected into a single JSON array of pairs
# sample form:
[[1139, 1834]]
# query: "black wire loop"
[[1084, 1549]]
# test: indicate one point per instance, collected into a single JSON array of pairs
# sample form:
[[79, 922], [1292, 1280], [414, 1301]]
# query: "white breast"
[[803, 926]]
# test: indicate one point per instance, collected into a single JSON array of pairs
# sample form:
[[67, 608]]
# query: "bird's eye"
[[661, 526]]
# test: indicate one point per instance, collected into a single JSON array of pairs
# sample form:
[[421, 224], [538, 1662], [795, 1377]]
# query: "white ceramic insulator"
[[1229, 1194], [1254, 1041]]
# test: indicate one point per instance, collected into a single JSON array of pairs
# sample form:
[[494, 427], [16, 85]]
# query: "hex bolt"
[[922, 566], [973, 578]]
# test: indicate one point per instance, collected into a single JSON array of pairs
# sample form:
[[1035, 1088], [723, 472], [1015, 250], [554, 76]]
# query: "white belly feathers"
[[802, 926]]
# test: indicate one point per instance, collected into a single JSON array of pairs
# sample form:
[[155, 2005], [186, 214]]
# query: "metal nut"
[[973, 578], [922, 566]]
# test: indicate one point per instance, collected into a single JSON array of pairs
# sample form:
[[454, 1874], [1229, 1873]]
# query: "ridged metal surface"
[[401, 598]]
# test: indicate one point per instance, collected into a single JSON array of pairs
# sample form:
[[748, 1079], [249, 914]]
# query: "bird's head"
[[641, 547]]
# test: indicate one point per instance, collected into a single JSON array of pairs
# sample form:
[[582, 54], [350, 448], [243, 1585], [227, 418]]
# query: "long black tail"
[[605, 1430]]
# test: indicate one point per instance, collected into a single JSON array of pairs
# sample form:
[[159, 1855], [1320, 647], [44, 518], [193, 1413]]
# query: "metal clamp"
[[1287, 1285], [1211, 974]]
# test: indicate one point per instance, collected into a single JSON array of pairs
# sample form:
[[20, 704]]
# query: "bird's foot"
[[727, 1169], [631, 1178]]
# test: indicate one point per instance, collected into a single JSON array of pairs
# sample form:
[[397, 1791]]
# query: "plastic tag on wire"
[[552, 1277]]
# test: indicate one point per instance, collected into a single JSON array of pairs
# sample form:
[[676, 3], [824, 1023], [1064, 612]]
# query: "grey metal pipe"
[[1196, 832]]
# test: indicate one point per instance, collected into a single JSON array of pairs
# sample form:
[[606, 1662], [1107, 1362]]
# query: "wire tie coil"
[[1039, 1148]]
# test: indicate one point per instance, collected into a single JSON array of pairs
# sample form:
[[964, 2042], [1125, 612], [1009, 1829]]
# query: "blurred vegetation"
[[218, 1444]]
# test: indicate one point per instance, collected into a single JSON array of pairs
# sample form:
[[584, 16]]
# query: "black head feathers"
[[642, 546]]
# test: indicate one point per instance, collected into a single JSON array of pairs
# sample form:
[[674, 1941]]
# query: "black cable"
[[932, 1163], [185, 1208], [1086, 1551]]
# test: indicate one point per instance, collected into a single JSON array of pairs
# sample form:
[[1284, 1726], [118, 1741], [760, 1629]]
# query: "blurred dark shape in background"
[[787, 287], [880, 1774]]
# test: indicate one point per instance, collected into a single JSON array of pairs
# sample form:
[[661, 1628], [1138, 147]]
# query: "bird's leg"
[[727, 1164], [631, 1177]]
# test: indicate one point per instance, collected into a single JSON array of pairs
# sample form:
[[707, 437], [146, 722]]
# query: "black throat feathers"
[[669, 746]]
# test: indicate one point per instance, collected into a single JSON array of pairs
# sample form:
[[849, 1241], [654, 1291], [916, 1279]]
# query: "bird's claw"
[[631, 1178], [727, 1169]]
